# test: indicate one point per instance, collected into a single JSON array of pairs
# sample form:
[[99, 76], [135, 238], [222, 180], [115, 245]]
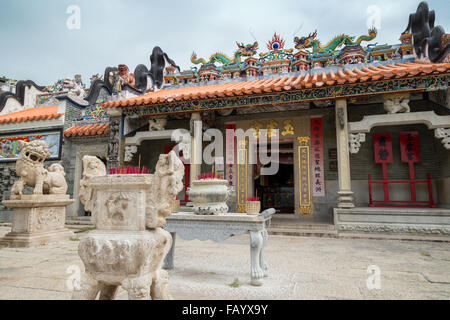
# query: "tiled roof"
[[94, 129], [32, 114], [314, 79]]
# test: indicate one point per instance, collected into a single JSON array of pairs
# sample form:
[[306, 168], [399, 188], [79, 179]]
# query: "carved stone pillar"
[[114, 143], [196, 146], [345, 199]]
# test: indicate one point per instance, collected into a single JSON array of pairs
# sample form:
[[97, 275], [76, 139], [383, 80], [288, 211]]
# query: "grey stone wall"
[[73, 148], [7, 178]]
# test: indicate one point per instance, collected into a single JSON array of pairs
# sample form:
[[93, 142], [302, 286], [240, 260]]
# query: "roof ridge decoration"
[[276, 50], [141, 81], [242, 51], [310, 41], [431, 43], [19, 96], [302, 87]]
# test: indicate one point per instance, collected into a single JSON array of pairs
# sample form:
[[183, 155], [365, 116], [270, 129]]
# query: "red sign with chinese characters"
[[382, 144], [230, 168], [318, 180], [409, 146]]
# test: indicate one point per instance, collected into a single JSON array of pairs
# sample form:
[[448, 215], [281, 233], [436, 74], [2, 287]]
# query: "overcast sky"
[[36, 43]]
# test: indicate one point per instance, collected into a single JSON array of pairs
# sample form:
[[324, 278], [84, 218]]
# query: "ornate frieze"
[[430, 83], [381, 228]]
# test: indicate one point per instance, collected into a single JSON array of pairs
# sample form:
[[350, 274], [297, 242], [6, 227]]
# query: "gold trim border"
[[305, 208]]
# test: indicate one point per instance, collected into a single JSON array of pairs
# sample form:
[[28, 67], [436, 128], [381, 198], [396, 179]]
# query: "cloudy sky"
[[38, 45]]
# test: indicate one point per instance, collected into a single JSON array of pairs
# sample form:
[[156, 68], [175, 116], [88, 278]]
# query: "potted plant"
[[252, 206]]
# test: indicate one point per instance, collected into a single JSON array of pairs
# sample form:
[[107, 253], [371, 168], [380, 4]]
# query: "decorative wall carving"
[[129, 153], [379, 228], [355, 140], [157, 124], [396, 105], [444, 134], [114, 142]]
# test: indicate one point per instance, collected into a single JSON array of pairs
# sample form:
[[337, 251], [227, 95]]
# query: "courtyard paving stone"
[[300, 268]]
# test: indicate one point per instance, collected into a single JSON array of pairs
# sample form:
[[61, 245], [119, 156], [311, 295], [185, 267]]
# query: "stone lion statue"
[[92, 167], [167, 183], [31, 171]]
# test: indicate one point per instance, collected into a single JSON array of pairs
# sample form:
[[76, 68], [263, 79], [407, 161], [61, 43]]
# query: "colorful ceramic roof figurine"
[[243, 51], [276, 50], [311, 42]]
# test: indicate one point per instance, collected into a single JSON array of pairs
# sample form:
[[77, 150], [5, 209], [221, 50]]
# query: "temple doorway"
[[277, 191]]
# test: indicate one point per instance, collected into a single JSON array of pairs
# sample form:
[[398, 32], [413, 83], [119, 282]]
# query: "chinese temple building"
[[361, 130]]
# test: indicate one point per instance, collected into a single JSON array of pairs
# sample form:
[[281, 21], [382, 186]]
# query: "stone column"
[[114, 144], [345, 199], [196, 146]]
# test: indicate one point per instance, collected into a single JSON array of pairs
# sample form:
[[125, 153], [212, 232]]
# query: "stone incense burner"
[[209, 196]]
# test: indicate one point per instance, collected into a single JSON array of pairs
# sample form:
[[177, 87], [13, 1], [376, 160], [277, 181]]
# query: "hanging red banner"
[[409, 146], [230, 169], [318, 179], [382, 144]]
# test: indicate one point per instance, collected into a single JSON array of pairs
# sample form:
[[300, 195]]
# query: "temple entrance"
[[277, 191]]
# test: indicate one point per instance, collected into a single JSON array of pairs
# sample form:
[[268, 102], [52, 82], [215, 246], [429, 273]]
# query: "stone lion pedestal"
[[37, 220]]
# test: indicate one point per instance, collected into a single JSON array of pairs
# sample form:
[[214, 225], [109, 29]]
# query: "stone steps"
[[333, 234], [303, 226], [301, 232]]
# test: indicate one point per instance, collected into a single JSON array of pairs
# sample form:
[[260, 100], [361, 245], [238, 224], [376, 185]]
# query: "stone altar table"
[[190, 226]]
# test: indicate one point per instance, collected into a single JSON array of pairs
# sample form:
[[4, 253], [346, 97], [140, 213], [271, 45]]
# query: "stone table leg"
[[262, 262], [256, 244], [168, 261]]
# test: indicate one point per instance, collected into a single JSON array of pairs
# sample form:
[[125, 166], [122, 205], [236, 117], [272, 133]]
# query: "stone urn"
[[209, 196]]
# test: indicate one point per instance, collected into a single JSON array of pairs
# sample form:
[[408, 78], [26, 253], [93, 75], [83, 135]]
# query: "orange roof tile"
[[94, 129], [285, 82], [32, 114]]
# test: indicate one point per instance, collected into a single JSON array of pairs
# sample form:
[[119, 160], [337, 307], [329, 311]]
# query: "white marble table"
[[190, 226]]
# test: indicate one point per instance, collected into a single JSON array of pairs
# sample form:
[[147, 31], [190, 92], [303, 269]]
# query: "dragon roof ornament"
[[310, 41], [242, 51]]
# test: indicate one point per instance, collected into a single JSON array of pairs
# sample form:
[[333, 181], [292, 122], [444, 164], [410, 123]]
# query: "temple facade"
[[349, 133]]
